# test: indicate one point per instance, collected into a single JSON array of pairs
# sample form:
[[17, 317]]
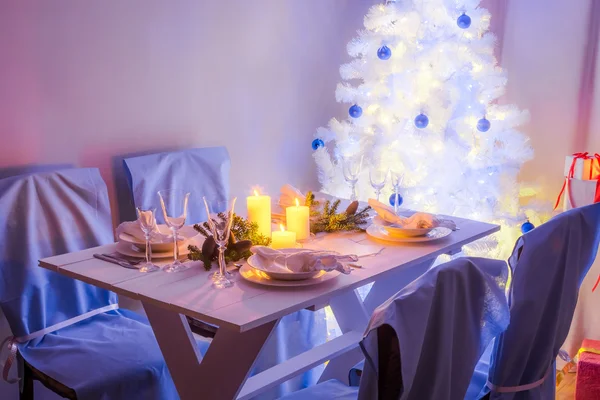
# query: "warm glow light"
[[282, 227], [477, 67], [297, 202]]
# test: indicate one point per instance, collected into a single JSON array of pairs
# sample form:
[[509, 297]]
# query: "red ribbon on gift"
[[570, 175]]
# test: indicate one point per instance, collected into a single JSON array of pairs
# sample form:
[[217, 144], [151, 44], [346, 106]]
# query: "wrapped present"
[[580, 193], [588, 371], [583, 166]]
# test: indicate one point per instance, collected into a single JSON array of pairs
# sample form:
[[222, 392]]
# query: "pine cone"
[[209, 247], [352, 208], [241, 246]]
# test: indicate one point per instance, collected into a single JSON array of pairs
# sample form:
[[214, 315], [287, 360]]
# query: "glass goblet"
[[351, 167], [147, 221], [174, 204], [220, 227], [377, 178], [397, 178]]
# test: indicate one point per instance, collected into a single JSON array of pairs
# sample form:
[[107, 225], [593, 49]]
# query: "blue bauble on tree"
[[393, 199], [317, 143], [464, 21], [483, 125], [384, 53], [355, 111], [421, 121], [527, 226]]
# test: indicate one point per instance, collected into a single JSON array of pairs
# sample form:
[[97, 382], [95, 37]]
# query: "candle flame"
[[282, 227], [256, 193], [297, 202]]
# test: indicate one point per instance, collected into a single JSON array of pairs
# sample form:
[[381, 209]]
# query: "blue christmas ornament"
[[483, 125], [355, 111], [384, 53], [464, 21], [421, 121], [317, 143], [393, 199], [527, 226]]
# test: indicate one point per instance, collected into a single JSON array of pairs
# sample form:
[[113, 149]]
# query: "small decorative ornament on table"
[[244, 234], [325, 218]]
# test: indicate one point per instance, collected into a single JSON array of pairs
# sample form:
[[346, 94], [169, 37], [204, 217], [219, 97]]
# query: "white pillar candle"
[[297, 220], [283, 239], [259, 211]]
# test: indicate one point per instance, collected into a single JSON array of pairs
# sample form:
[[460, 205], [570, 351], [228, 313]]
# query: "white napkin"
[[419, 220], [132, 228], [288, 196], [303, 260]]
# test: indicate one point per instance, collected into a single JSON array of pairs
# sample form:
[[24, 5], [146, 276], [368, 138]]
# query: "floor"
[[566, 389]]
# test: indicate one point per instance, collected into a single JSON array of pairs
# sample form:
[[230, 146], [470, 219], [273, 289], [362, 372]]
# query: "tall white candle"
[[297, 220], [259, 211], [283, 239]]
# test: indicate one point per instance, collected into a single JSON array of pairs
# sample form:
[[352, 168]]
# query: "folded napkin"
[[288, 196], [303, 260], [419, 220], [132, 228]]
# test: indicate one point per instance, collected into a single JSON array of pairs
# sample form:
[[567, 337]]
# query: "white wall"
[[84, 81]]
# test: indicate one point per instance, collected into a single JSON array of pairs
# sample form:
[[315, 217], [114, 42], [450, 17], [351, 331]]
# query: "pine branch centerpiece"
[[244, 234], [325, 217]]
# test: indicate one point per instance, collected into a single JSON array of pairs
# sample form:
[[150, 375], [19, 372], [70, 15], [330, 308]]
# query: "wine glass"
[[397, 178], [377, 177], [147, 221], [351, 167], [220, 227], [174, 204]]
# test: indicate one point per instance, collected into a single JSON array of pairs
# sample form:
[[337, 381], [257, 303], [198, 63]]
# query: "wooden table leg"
[[350, 315], [226, 365]]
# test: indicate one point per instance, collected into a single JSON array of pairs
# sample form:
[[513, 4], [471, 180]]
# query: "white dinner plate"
[[258, 262], [395, 230], [435, 234], [186, 233], [257, 276], [128, 249]]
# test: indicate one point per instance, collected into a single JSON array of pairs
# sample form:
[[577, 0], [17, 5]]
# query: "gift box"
[[588, 371], [579, 193], [583, 166]]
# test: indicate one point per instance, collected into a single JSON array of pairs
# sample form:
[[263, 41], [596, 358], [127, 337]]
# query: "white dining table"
[[247, 313]]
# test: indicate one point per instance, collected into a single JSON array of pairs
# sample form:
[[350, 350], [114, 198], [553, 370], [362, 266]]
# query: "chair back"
[[202, 172], [424, 342], [549, 264], [41, 215]]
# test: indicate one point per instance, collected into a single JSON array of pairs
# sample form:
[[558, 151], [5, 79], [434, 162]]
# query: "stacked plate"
[[258, 270], [381, 229], [161, 243]]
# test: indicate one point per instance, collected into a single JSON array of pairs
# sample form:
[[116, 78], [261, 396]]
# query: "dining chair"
[[202, 172], [424, 342], [205, 172], [549, 264], [69, 335]]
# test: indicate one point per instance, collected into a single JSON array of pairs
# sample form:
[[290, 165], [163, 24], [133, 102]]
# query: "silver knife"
[[123, 264]]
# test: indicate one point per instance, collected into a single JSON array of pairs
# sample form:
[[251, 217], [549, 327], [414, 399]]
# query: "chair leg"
[[27, 388]]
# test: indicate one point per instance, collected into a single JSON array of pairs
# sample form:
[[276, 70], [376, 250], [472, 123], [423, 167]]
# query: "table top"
[[247, 305]]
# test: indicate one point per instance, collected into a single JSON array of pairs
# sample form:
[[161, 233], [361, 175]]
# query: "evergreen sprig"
[[243, 235], [326, 218]]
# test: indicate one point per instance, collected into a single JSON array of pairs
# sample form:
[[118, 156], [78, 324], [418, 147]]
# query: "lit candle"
[[283, 239], [259, 211], [297, 220]]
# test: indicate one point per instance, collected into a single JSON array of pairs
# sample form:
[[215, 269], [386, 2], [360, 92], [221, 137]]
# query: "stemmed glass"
[[220, 227], [377, 177], [351, 167], [147, 221], [174, 204], [397, 179]]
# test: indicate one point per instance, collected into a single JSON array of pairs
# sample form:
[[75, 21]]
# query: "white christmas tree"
[[422, 92]]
